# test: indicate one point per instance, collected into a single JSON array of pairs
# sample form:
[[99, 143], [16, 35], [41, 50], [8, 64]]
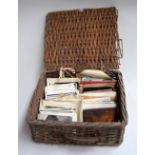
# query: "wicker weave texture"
[[82, 39]]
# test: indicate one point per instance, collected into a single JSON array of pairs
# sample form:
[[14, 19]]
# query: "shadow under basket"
[[82, 133], [80, 39]]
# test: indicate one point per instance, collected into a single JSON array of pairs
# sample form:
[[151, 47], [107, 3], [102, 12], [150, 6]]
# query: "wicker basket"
[[80, 39]]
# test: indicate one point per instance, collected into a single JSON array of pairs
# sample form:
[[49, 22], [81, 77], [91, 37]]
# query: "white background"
[[31, 47]]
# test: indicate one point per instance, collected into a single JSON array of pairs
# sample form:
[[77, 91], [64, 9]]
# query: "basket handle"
[[82, 140]]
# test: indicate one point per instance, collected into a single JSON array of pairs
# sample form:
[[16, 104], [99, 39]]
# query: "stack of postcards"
[[90, 97]]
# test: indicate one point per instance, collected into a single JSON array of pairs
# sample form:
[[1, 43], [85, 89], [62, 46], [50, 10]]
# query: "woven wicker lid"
[[82, 39]]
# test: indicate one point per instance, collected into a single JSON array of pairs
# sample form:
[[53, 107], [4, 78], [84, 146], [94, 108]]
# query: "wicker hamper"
[[80, 39]]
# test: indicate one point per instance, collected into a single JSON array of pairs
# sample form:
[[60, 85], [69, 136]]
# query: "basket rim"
[[81, 9]]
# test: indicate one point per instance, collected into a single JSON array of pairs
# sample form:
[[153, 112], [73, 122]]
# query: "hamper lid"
[[82, 39]]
